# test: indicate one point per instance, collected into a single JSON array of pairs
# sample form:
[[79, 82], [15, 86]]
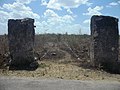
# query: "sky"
[[57, 16]]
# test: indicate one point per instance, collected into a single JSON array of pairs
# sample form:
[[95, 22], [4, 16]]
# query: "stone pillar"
[[104, 42], [21, 35]]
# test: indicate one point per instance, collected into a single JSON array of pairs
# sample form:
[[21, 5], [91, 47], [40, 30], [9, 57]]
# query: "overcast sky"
[[57, 16]]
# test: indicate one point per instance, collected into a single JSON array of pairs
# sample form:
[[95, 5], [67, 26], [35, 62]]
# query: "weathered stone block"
[[21, 35], [104, 41]]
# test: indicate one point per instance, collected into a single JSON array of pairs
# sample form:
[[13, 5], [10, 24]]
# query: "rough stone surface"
[[104, 42], [21, 42]]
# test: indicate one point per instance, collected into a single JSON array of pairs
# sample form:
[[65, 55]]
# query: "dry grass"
[[65, 68], [61, 70]]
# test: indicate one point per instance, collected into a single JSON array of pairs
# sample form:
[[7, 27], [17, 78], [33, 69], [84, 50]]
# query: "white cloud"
[[25, 1], [43, 2], [65, 4], [91, 11], [119, 2], [53, 17], [16, 6], [19, 10], [50, 21], [113, 4], [86, 26], [16, 10], [50, 13], [87, 21], [54, 23], [3, 21], [58, 4], [3, 16], [54, 4], [94, 11], [69, 11]]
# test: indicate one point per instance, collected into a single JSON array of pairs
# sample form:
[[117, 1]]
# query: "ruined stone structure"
[[104, 42], [21, 42]]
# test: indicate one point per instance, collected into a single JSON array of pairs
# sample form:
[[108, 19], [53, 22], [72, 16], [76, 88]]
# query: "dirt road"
[[15, 83]]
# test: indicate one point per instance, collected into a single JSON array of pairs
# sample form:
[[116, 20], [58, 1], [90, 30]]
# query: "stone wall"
[[21, 35], [104, 42]]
